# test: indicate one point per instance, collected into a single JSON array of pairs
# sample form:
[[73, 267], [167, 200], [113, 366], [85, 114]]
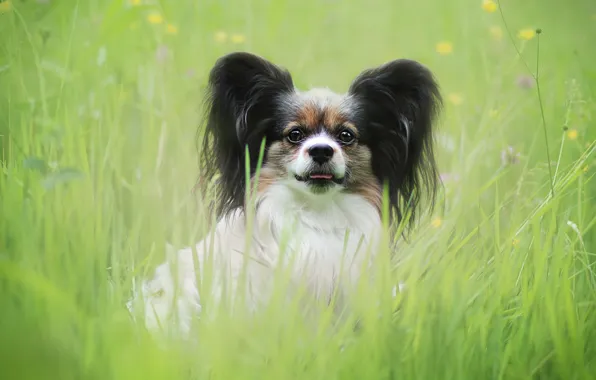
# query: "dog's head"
[[377, 134]]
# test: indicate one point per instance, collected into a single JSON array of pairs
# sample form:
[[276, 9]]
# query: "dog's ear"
[[399, 102], [242, 100]]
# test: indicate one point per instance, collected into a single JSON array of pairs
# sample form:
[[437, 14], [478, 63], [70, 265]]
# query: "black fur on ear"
[[398, 103], [241, 104]]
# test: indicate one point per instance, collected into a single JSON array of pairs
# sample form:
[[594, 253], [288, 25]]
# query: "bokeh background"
[[99, 112]]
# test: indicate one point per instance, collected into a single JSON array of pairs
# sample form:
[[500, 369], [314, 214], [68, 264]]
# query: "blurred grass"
[[98, 116]]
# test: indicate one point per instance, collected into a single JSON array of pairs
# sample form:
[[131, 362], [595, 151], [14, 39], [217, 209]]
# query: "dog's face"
[[316, 146], [319, 142]]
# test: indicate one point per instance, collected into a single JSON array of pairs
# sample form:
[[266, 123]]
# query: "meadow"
[[99, 112]]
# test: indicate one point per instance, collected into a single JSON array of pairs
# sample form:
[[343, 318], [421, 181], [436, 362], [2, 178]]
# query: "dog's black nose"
[[321, 153]]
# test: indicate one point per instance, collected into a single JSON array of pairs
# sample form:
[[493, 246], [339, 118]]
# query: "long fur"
[[400, 101], [241, 103], [378, 134]]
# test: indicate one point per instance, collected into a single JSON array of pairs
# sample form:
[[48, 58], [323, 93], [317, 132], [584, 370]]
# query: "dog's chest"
[[320, 239]]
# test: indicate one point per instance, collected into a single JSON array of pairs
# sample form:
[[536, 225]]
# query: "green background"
[[99, 109]]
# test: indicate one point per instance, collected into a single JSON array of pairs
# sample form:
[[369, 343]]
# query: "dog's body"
[[318, 194], [319, 254]]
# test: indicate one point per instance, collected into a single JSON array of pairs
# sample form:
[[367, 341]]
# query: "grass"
[[98, 117]]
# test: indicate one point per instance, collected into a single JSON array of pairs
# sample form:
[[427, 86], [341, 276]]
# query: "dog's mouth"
[[320, 178]]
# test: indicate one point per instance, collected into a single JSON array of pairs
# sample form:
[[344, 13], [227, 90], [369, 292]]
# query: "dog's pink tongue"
[[321, 176]]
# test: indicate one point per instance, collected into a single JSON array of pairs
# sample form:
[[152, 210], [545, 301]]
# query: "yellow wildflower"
[[436, 222], [444, 48], [489, 6], [134, 2], [526, 34], [155, 18], [515, 242], [5, 6], [171, 29], [455, 99], [220, 37], [238, 38], [572, 134], [496, 32]]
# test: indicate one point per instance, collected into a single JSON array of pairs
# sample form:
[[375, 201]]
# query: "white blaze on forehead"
[[320, 139], [303, 162]]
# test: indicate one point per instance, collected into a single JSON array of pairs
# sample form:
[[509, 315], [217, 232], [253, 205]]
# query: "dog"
[[301, 178]]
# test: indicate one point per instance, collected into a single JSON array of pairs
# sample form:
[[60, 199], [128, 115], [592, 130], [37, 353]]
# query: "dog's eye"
[[295, 136], [346, 137]]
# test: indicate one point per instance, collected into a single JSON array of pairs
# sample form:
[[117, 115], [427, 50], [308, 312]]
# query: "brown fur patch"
[[309, 116], [280, 153], [332, 118], [362, 181], [266, 179], [312, 117], [372, 192]]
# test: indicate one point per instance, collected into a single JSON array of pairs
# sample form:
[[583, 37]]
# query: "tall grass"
[[98, 119]]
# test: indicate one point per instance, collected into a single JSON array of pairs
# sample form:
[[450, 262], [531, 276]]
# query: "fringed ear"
[[243, 97], [399, 102]]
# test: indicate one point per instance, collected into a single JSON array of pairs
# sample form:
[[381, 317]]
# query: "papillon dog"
[[319, 166]]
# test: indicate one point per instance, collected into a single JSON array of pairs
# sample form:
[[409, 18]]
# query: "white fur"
[[324, 97], [313, 229], [172, 294], [303, 162]]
